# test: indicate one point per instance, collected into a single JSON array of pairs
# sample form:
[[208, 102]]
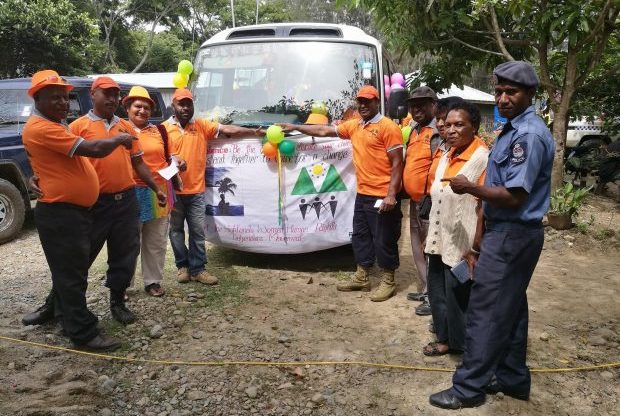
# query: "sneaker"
[[101, 342], [416, 296], [424, 309], [205, 278], [183, 275]]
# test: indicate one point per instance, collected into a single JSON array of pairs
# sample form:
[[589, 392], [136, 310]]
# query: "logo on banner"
[[319, 178], [222, 184]]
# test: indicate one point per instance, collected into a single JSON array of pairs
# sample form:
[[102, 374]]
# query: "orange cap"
[[104, 83], [316, 118], [181, 93], [141, 93], [368, 91], [45, 78]]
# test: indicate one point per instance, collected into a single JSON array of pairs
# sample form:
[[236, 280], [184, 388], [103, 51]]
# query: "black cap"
[[519, 72], [422, 92]]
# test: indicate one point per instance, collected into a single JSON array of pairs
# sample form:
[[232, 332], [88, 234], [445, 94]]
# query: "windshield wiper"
[[253, 124], [8, 122]]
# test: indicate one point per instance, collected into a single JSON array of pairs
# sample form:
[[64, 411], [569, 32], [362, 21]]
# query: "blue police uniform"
[[497, 319]]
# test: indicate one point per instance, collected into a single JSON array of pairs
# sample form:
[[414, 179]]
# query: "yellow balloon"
[[317, 170], [180, 80]]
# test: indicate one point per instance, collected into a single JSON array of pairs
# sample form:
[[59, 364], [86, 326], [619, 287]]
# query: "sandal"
[[432, 349], [154, 289]]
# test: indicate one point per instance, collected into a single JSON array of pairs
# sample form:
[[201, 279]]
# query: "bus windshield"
[[267, 82]]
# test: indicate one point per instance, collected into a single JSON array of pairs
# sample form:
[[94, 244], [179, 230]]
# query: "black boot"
[[119, 310], [43, 314]]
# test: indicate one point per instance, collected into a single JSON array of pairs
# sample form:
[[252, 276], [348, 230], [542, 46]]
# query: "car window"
[[15, 106], [120, 111], [74, 107]]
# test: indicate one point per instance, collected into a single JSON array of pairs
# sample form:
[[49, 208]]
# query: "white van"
[[265, 74]]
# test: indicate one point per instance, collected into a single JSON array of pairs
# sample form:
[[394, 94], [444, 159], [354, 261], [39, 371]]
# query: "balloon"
[[287, 147], [395, 87], [185, 67], [270, 149], [180, 80], [319, 107], [406, 133], [397, 78], [275, 134], [388, 90], [386, 80], [263, 140]]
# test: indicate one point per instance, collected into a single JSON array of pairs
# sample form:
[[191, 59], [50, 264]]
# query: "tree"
[[36, 34], [567, 39], [225, 185]]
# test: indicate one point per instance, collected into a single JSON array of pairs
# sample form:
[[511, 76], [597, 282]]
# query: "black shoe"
[[416, 296], [494, 387], [121, 313], [42, 315], [101, 342], [424, 309], [447, 400]]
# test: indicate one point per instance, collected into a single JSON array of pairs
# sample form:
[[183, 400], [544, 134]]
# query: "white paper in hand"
[[168, 172], [378, 203]]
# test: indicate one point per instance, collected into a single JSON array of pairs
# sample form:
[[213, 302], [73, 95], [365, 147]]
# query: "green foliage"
[[568, 199], [37, 34]]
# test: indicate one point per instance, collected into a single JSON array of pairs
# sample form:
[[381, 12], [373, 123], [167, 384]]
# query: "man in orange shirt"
[[188, 137], [422, 145], [69, 187], [378, 159], [116, 213]]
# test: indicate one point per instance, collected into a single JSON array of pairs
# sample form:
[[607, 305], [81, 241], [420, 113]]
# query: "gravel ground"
[[286, 308]]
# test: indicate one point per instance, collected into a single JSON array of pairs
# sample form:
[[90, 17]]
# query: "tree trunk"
[[560, 124]]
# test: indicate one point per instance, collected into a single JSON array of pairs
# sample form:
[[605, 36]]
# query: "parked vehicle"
[[582, 131], [15, 108]]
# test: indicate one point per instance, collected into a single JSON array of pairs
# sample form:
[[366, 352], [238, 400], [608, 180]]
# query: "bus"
[[264, 74]]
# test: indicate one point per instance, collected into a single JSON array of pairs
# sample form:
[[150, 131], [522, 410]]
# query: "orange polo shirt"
[[439, 151], [63, 176], [154, 156], [456, 163], [115, 171], [418, 162], [371, 142], [190, 144]]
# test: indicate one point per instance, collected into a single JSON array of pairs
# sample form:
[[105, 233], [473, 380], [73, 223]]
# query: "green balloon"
[[287, 147], [185, 67], [406, 133], [275, 134]]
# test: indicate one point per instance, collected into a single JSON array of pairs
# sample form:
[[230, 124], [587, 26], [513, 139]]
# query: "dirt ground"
[[286, 308]]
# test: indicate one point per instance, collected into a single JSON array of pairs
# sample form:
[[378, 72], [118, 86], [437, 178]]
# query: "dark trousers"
[[497, 316], [64, 232], [445, 295], [375, 234], [116, 221]]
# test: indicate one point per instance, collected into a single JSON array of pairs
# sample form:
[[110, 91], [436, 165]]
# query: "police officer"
[[516, 196]]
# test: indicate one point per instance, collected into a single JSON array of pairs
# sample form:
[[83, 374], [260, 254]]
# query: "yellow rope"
[[284, 363]]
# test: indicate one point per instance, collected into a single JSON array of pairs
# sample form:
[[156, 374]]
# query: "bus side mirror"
[[397, 104]]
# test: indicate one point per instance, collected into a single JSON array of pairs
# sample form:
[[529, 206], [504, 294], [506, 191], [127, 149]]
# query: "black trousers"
[[64, 231], [448, 299], [375, 234], [116, 221], [497, 315]]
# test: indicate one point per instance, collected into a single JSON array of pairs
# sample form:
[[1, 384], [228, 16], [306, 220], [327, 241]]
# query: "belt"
[[117, 196], [509, 225], [64, 205]]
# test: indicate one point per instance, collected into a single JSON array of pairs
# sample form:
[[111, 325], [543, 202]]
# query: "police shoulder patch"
[[518, 153]]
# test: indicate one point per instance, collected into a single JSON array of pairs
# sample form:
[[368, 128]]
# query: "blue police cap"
[[519, 72]]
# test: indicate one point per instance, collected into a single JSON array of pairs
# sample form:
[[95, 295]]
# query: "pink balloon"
[[397, 78], [388, 90], [386, 80], [395, 87]]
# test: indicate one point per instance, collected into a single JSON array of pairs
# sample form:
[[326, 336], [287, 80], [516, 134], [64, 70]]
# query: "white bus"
[[264, 74]]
